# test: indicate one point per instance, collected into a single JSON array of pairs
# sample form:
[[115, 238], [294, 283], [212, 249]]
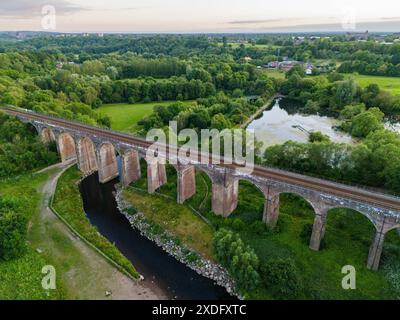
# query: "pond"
[[280, 124]]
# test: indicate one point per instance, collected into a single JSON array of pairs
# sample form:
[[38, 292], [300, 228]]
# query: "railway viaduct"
[[96, 150]]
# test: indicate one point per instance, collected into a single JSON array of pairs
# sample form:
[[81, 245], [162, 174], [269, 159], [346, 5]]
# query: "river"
[[280, 124], [159, 269]]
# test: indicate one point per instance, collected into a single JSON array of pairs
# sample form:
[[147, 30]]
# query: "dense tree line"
[[21, 149], [373, 162], [333, 93], [219, 112]]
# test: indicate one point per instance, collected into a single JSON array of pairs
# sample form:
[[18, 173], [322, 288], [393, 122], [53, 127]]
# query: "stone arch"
[[253, 200], [47, 135], [86, 151], [107, 162], [271, 208], [66, 146], [366, 215], [393, 227], [205, 171]]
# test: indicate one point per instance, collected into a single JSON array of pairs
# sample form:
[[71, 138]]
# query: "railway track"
[[341, 190]]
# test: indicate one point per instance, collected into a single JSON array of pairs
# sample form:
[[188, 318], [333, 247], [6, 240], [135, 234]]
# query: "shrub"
[[282, 277], [131, 211], [259, 228], [306, 233], [13, 228], [239, 259], [238, 225]]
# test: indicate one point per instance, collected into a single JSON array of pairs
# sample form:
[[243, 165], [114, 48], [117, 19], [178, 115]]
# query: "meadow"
[[124, 117], [390, 84], [21, 278], [274, 73]]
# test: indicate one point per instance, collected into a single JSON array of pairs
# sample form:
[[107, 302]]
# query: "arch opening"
[[390, 260], [250, 203], [202, 197], [349, 234]]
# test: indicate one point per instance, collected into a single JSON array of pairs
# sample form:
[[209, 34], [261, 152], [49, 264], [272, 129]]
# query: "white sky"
[[201, 16]]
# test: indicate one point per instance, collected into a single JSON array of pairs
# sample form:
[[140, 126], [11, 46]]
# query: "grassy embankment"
[[124, 117], [347, 240], [21, 278], [180, 220], [391, 84], [68, 203]]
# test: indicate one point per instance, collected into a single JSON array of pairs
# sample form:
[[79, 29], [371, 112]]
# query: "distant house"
[[247, 59], [59, 65], [289, 64], [309, 67], [273, 64]]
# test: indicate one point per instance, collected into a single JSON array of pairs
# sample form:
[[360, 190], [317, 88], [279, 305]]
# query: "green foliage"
[[282, 277], [311, 107], [374, 162], [240, 260], [366, 122], [21, 149], [68, 203], [318, 136], [13, 228]]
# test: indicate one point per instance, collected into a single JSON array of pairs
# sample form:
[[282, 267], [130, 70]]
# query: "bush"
[[13, 228], [131, 211], [237, 224], [239, 259], [282, 277], [259, 228]]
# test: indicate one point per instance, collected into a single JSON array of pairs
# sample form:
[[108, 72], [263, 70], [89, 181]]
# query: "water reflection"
[[277, 125]]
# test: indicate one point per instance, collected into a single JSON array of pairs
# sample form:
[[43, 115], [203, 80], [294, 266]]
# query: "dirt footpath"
[[83, 272]]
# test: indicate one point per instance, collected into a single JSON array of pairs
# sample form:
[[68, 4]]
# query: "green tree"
[[282, 277], [367, 122]]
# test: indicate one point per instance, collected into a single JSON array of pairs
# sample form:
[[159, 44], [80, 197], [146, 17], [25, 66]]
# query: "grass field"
[[347, 240], [68, 203], [391, 84], [124, 117], [273, 73], [21, 278]]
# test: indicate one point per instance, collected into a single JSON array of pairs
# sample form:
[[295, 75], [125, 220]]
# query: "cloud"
[[255, 21], [31, 8]]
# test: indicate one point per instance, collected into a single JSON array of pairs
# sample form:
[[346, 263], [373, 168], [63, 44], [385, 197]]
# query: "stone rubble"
[[180, 252]]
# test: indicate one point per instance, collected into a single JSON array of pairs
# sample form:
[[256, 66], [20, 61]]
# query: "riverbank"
[[260, 111], [84, 265], [173, 244]]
